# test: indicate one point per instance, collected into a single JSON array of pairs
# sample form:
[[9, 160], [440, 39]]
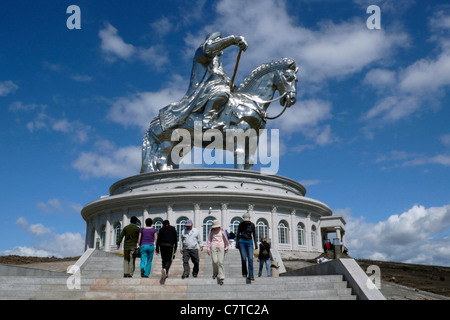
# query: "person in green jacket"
[[131, 235]]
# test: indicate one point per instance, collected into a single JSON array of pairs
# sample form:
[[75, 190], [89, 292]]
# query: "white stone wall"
[[222, 194], [101, 225]]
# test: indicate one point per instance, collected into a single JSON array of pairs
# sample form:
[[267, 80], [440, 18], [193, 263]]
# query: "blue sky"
[[369, 134]]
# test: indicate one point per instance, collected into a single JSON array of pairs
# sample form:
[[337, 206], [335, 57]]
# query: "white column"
[[86, 238], [274, 232], [124, 217], [96, 234], [124, 223], [224, 216], [108, 232], [338, 233], [145, 215], [251, 212], [197, 218], [170, 216], [308, 232], [292, 230]]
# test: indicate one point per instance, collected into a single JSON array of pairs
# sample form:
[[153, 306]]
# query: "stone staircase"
[[102, 278]]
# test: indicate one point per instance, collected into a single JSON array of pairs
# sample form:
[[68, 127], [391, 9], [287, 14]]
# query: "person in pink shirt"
[[217, 245]]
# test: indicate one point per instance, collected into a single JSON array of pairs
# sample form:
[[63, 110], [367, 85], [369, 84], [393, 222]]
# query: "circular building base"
[[277, 205]]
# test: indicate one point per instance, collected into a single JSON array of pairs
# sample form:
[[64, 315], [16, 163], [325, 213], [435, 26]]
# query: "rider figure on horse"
[[209, 88]]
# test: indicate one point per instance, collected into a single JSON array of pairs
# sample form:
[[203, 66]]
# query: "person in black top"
[[166, 243], [264, 256], [245, 241]]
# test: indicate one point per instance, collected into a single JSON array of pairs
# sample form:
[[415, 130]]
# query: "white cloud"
[[305, 113], [380, 78], [308, 183], [81, 78], [52, 206], [331, 50], [116, 163], [35, 229], [442, 159], [67, 244], [7, 87], [162, 26], [397, 159], [394, 108], [419, 235], [59, 245], [76, 130], [19, 106], [55, 206], [26, 252], [140, 108], [307, 116], [440, 20], [51, 244], [445, 139], [114, 47], [426, 75], [415, 87]]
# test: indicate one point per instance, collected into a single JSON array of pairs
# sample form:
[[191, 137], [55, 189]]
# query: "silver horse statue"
[[214, 102]]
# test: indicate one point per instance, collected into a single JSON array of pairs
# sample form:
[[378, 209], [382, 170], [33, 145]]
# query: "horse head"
[[286, 84]]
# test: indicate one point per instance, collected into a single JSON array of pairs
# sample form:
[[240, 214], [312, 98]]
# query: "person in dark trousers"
[[131, 235], [264, 256], [246, 240], [190, 242], [167, 245]]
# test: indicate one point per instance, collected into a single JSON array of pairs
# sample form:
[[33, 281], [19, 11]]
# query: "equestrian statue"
[[213, 101]]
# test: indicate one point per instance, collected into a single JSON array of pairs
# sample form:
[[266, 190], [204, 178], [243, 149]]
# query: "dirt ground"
[[20, 260], [435, 279]]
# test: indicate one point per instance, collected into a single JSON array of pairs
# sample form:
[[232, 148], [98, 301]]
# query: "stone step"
[[102, 278]]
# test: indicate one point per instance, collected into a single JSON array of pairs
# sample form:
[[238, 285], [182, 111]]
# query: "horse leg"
[[245, 145], [149, 148], [213, 110], [162, 157], [250, 152]]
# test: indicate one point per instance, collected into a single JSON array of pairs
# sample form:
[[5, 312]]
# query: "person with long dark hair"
[[246, 241], [167, 245]]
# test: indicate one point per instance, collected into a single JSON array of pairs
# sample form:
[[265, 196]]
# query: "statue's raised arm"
[[209, 84]]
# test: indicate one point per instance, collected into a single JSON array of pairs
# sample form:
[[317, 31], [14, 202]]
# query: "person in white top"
[[190, 242]]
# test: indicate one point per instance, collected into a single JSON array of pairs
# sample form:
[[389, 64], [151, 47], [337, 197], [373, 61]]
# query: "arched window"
[[313, 236], [117, 230], [301, 234], [283, 232], [102, 236], [207, 224], [235, 222], [261, 229], [158, 224], [181, 225]]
